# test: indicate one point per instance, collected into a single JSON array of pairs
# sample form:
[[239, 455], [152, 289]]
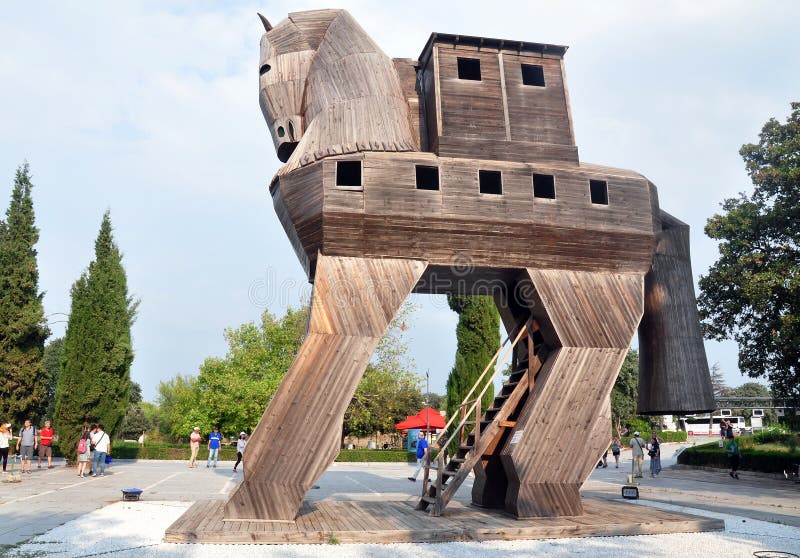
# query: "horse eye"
[[264, 69]]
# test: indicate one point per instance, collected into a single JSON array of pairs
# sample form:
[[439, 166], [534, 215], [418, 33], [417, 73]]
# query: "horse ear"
[[265, 21]]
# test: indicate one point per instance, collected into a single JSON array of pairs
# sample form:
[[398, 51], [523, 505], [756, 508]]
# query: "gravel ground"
[[136, 528]]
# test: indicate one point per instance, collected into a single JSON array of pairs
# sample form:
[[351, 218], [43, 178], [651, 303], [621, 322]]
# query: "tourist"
[[45, 445], [102, 447], [194, 445], [214, 442], [5, 440], [723, 429], [637, 451], [26, 445], [734, 455], [615, 449], [654, 451], [241, 443], [422, 455], [84, 452]]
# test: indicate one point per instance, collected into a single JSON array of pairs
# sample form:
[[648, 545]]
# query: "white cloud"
[[151, 109]]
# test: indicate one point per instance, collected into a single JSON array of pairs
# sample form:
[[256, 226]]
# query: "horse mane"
[[353, 100]]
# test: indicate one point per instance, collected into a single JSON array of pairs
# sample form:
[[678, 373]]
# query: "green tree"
[[180, 408], [232, 392], [718, 385], [94, 384], [751, 389], [752, 292], [23, 329], [389, 390], [52, 368], [435, 400], [478, 338], [136, 420], [625, 393]]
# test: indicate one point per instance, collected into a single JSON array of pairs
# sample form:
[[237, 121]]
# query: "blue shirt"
[[214, 439], [422, 445]]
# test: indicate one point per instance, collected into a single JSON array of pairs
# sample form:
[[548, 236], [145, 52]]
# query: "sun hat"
[[636, 433], [197, 428], [242, 433]]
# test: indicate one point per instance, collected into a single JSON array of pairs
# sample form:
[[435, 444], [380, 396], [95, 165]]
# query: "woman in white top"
[[240, 445], [5, 438]]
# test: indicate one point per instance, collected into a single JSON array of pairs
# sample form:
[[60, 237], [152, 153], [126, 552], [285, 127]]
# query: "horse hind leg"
[[353, 302]]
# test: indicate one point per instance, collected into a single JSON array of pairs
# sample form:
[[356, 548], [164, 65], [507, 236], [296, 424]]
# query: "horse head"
[[327, 89]]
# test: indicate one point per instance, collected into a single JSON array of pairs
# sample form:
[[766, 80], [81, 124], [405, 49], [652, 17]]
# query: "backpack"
[[82, 446]]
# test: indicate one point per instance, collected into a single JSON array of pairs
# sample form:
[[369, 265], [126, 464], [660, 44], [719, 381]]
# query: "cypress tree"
[[478, 336], [94, 383], [23, 329]]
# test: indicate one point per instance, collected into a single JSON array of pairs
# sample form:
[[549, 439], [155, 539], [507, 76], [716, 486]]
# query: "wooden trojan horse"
[[458, 172]]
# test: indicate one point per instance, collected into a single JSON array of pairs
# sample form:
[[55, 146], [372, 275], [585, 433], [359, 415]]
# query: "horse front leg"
[[298, 437]]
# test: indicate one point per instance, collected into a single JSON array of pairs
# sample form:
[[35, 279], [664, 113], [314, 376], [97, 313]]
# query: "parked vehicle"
[[698, 425]]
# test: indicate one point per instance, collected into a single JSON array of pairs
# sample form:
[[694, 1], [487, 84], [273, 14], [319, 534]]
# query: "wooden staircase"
[[486, 429]]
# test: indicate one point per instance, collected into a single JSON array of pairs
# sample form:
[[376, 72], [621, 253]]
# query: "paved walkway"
[[48, 498]]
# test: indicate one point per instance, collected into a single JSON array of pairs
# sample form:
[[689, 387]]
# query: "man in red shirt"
[[45, 445]]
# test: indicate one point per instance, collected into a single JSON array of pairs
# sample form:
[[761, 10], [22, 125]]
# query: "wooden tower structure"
[[458, 172]]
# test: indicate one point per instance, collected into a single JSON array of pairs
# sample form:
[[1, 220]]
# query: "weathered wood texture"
[[389, 216], [321, 70], [354, 300], [673, 370], [392, 521], [590, 318], [497, 117], [329, 95]]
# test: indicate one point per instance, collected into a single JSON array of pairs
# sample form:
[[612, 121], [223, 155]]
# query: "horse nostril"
[[281, 132], [264, 69], [291, 131]]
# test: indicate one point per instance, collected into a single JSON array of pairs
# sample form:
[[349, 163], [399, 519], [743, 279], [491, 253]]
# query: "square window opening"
[[491, 182], [533, 74], [599, 191], [544, 186], [348, 173], [469, 68], [427, 177]]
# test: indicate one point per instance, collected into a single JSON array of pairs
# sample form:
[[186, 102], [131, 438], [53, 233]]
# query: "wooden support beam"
[[353, 302]]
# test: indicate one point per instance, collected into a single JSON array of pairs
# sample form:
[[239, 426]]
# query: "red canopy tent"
[[427, 418]]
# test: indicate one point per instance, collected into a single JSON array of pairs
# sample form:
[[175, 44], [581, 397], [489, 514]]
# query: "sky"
[[150, 110]]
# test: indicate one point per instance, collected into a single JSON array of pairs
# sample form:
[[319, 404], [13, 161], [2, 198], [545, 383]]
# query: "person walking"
[[615, 450], [46, 435], [5, 440], [102, 447], [26, 445], [422, 455], [654, 451], [84, 452], [214, 442], [637, 450], [194, 445], [241, 443], [734, 455]]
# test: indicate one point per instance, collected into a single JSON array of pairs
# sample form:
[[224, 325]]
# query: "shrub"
[[376, 456], [753, 459], [665, 436]]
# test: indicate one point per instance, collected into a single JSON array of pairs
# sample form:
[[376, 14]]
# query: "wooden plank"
[[353, 301], [395, 521]]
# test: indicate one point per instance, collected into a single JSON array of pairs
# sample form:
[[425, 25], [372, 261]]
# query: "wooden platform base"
[[329, 521]]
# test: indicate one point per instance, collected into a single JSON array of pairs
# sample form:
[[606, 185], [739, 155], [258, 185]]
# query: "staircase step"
[[449, 473], [458, 460], [466, 448], [429, 499]]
